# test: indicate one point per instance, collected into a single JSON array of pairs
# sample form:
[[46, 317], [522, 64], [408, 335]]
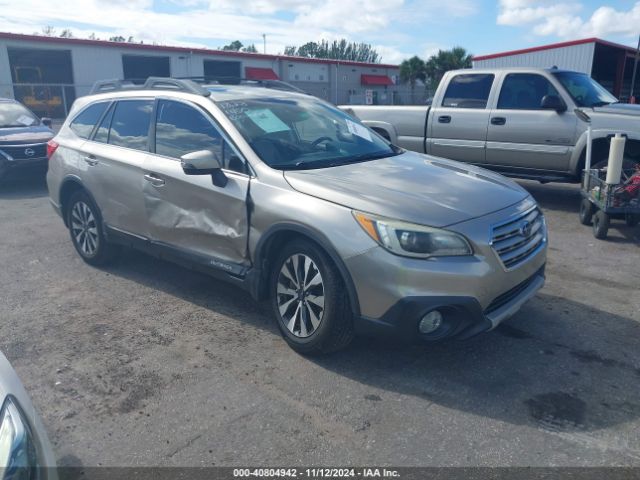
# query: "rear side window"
[[524, 91], [83, 124], [102, 133], [130, 124], [468, 91]]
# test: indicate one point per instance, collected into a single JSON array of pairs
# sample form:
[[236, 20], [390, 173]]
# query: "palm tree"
[[411, 71], [446, 60]]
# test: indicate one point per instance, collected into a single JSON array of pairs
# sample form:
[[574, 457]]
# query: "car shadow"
[[558, 365], [25, 183]]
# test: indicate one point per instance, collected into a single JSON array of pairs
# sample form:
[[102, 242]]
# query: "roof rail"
[[274, 84], [102, 86], [151, 83]]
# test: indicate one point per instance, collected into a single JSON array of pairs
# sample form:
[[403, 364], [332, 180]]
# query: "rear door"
[[459, 121], [523, 135], [188, 212], [113, 162]]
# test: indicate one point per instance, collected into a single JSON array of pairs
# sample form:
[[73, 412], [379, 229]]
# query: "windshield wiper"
[[602, 104], [336, 162]]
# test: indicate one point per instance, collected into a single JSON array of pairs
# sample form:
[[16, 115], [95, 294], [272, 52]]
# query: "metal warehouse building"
[[48, 73], [608, 63]]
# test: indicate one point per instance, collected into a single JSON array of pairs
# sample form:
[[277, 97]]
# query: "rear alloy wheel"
[[309, 300], [85, 228]]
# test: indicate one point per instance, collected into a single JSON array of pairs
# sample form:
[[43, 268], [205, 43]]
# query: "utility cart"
[[602, 202]]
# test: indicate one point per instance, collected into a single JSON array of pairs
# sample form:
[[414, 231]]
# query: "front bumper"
[[463, 315], [474, 293]]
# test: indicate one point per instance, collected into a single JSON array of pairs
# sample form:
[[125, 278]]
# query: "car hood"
[[25, 135], [411, 187], [619, 109]]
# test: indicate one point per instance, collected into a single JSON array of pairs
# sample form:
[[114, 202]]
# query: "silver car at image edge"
[[25, 452], [297, 202]]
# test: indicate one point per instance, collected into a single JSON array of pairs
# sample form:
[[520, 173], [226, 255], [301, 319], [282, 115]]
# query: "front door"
[[523, 135], [189, 212]]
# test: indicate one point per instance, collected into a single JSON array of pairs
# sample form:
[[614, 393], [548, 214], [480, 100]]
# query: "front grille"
[[517, 240], [506, 297], [24, 152]]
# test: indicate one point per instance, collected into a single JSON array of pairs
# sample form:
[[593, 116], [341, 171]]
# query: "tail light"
[[52, 146]]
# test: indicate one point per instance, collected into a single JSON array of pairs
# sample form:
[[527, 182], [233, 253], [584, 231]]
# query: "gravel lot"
[[146, 363]]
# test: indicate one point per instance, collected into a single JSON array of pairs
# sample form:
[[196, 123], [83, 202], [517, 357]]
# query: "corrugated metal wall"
[[576, 57]]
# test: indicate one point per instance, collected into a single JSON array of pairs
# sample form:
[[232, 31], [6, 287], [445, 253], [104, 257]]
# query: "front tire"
[[601, 225], [86, 231], [586, 212], [309, 300]]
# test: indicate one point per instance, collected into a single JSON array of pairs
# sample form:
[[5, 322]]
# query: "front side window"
[[130, 124], [84, 122], [524, 91], [181, 129], [303, 133], [468, 91], [584, 90], [12, 114]]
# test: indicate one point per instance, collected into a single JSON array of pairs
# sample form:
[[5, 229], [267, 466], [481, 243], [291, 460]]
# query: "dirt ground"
[[146, 363]]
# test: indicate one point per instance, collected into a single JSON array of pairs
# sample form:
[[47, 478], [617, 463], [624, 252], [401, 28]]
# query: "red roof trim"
[[254, 73], [164, 48], [552, 46], [375, 80]]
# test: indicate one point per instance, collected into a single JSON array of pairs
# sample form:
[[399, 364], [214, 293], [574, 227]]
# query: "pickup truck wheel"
[[586, 212], [309, 300], [600, 225], [85, 228]]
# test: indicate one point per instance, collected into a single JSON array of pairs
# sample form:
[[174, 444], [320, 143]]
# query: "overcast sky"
[[397, 28]]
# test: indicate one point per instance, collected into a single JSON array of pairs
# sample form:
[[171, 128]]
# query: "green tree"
[[66, 33], [412, 70], [446, 60], [336, 50], [235, 46], [117, 38], [48, 31], [250, 49]]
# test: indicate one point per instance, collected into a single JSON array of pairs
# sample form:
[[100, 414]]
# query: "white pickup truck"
[[520, 122]]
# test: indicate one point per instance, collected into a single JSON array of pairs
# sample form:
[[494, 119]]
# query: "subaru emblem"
[[29, 152]]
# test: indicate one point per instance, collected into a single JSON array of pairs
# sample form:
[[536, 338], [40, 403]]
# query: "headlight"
[[18, 459], [411, 240]]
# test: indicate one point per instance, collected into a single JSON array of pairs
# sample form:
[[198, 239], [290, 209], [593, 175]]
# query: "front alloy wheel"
[[300, 294], [309, 299]]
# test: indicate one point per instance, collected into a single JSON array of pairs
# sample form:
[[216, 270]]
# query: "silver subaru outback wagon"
[[299, 203]]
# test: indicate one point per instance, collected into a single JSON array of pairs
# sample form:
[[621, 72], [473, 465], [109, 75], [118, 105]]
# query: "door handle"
[[153, 180], [498, 121], [444, 119], [91, 160]]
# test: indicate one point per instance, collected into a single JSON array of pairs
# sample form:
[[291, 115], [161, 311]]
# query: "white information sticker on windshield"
[[267, 120], [359, 130], [25, 120]]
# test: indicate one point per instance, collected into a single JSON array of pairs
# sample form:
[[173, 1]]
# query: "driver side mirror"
[[553, 102], [46, 121], [204, 162]]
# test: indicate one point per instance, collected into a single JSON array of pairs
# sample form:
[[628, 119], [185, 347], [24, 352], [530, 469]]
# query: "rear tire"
[[632, 220], [309, 300], [86, 230], [601, 225], [586, 212]]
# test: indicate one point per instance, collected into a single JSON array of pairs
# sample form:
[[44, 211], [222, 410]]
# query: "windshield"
[[303, 133], [585, 91], [15, 115]]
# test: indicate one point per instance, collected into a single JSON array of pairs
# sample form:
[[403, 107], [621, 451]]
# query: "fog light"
[[430, 322]]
